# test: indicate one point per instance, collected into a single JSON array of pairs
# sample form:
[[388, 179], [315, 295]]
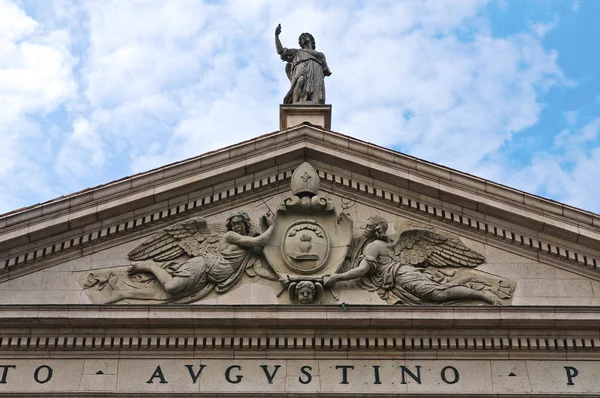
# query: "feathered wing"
[[423, 247], [193, 237]]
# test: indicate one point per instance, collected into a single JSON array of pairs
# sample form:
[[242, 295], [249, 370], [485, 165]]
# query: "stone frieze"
[[308, 248]]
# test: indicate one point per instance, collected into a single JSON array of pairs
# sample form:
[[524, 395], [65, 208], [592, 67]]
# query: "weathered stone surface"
[[383, 376]]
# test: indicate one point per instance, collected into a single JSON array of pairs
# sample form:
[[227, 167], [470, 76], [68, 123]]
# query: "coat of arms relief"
[[308, 248]]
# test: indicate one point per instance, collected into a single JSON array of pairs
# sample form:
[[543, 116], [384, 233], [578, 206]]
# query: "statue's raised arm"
[[306, 68], [278, 45]]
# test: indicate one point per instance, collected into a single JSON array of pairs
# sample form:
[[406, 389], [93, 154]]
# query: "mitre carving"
[[305, 181]]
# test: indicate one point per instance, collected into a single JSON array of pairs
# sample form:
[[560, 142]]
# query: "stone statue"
[[399, 271], [207, 261], [306, 68]]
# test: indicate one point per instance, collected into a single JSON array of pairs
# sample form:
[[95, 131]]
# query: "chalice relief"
[[306, 68]]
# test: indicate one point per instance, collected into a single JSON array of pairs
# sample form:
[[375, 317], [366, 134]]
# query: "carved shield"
[[305, 247], [308, 241]]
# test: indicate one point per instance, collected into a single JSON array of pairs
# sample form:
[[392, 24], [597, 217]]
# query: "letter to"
[[571, 374], [344, 372], [36, 374], [194, 376], [5, 372], [304, 370], [416, 377], [270, 377], [158, 373], [376, 370], [238, 378], [456, 376]]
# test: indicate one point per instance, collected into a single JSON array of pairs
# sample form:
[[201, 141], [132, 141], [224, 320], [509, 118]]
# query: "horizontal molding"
[[317, 342], [315, 317]]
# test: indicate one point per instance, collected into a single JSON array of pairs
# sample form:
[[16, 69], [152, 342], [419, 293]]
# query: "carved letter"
[[571, 374], [158, 373], [37, 373], [308, 375], [456, 376], [416, 377], [238, 378], [5, 372], [344, 372], [270, 377], [376, 370], [194, 376]]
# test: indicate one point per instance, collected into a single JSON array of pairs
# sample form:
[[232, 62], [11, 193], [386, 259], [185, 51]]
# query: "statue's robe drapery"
[[220, 272], [311, 65], [197, 277], [408, 284]]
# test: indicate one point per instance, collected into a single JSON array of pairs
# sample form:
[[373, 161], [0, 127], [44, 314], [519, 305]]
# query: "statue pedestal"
[[292, 115]]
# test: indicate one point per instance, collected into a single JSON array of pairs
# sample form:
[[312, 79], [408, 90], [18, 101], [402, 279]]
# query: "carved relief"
[[185, 262], [310, 239], [420, 267], [306, 292], [304, 246]]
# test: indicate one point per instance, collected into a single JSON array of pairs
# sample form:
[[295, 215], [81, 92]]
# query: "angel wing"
[[193, 237], [425, 247]]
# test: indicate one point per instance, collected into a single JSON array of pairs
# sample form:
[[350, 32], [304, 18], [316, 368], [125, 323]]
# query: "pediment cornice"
[[266, 162]]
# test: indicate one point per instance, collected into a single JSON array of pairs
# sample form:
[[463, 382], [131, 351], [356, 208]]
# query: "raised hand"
[[269, 218], [278, 30]]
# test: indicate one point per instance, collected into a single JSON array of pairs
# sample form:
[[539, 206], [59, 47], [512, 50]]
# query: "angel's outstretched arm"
[[372, 251], [355, 273]]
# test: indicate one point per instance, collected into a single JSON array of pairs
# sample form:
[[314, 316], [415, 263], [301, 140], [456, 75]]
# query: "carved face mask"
[[306, 295]]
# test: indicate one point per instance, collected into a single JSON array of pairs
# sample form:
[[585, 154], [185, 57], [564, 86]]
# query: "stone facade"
[[537, 256]]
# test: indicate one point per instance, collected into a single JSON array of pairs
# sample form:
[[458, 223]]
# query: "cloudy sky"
[[95, 90]]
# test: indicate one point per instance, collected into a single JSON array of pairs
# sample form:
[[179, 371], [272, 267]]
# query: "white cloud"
[[212, 74], [567, 174], [163, 81], [82, 151], [35, 79]]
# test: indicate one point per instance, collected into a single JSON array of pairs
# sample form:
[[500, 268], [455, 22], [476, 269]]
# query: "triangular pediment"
[[74, 249]]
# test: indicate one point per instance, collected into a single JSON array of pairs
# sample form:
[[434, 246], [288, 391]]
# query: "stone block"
[[551, 377], [105, 383], [292, 115], [137, 376], [25, 283], [554, 288], [58, 281]]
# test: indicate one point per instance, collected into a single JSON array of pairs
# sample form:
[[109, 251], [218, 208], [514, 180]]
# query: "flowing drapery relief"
[[306, 247]]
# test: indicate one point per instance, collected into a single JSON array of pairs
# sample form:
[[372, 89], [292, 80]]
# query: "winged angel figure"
[[399, 271], [185, 262]]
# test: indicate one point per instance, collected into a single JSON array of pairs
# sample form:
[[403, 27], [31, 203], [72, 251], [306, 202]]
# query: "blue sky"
[[92, 91]]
